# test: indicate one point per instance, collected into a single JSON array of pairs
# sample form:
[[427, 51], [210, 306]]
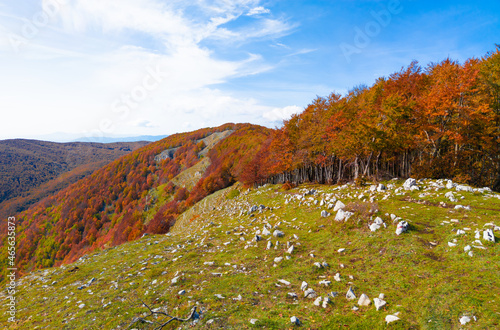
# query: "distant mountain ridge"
[[26, 165]]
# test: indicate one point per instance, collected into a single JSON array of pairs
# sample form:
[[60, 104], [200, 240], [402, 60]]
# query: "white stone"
[[290, 250], [325, 214], [337, 277], [464, 320], [374, 227], [175, 279], [350, 294], [269, 245], [295, 320], [253, 321], [381, 188], [391, 318], [379, 303], [364, 300], [488, 235], [409, 183], [341, 250], [310, 293], [278, 233], [266, 232], [284, 282], [325, 283], [278, 259], [450, 244], [303, 286], [319, 265], [326, 301], [467, 248], [402, 227], [318, 300], [338, 206]]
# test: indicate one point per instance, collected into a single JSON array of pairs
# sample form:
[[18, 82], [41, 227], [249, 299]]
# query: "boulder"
[[310, 293], [402, 227], [338, 206], [278, 233], [364, 300], [488, 235], [409, 183], [350, 294], [379, 303]]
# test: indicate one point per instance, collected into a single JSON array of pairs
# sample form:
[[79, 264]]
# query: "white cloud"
[[138, 66], [258, 11], [279, 114]]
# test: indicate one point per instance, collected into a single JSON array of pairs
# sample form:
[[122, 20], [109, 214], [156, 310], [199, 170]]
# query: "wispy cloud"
[[258, 11], [97, 56]]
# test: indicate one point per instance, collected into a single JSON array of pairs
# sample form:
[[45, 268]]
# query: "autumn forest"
[[441, 120]]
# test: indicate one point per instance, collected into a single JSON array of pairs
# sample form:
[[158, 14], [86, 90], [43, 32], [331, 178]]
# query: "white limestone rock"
[[350, 294], [364, 300], [409, 183], [488, 235], [338, 206], [391, 318], [379, 303], [310, 293], [402, 227]]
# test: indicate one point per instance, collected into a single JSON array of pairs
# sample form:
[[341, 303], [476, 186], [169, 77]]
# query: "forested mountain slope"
[[31, 170]]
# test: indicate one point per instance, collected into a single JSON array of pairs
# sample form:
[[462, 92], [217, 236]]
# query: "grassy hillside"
[[427, 278], [141, 192], [30, 170]]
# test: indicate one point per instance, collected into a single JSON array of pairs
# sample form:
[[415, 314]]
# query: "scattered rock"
[[402, 227], [293, 295], [284, 282], [325, 283], [290, 250], [464, 320], [364, 300], [325, 214], [337, 277], [379, 303], [409, 183], [310, 293], [253, 321], [488, 235], [326, 301], [181, 293], [391, 318], [318, 300], [266, 232], [278, 233], [295, 320], [219, 296], [350, 294], [175, 279], [278, 259], [338, 206], [303, 286]]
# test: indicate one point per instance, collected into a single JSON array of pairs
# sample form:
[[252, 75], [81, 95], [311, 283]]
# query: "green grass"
[[430, 286]]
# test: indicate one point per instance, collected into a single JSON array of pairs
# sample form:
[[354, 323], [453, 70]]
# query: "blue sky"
[[76, 68]]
